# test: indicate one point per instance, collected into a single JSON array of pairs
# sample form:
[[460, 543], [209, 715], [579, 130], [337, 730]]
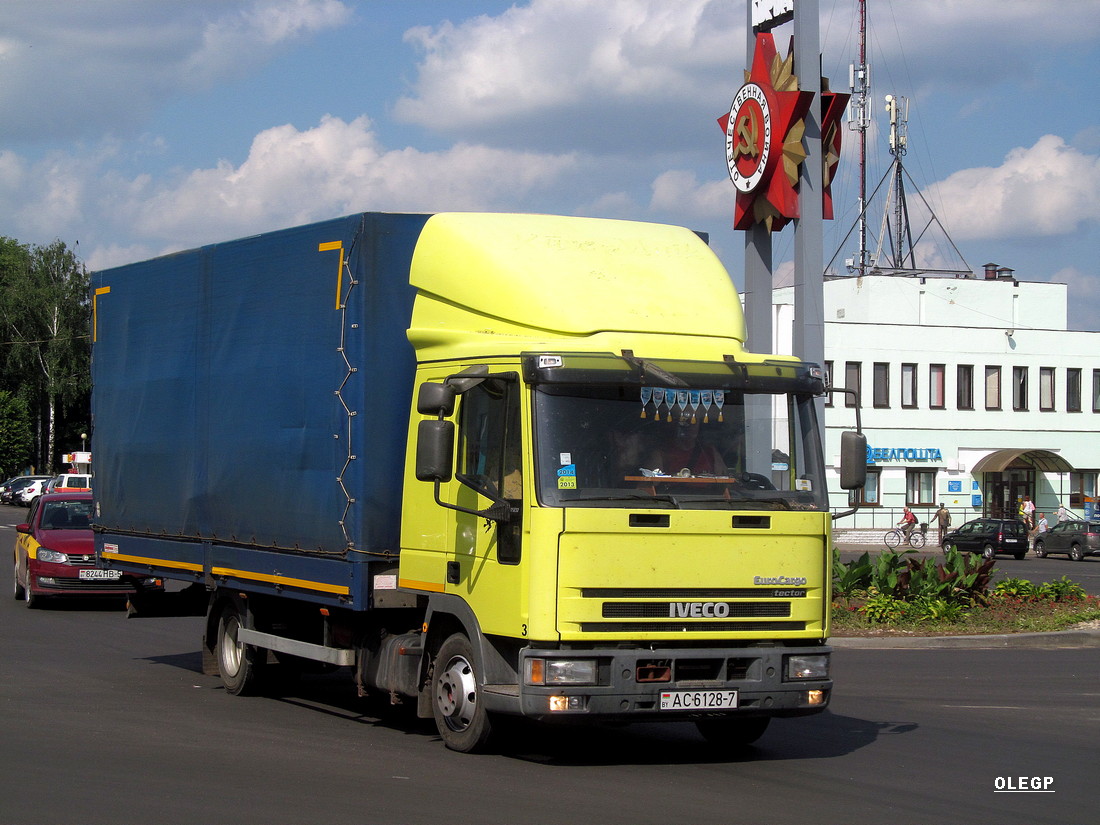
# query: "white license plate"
[[699, 700], [1012, 541], [97, 574]]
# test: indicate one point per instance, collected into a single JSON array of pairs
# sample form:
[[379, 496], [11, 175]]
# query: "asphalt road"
[[106, 719]]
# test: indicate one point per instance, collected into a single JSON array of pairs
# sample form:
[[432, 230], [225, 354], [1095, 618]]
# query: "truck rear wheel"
[[238, 664], [459, 713], [733, 732]]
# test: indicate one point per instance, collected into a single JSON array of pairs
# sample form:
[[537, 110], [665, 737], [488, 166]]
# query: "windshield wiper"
[[631, 497], [743, 501]]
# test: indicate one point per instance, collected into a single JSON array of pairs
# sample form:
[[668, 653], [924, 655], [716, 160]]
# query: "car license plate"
[[97, 574], [1012, 541], [699, 700]]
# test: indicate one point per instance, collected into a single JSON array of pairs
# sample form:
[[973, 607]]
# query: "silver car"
[[1077, 538]]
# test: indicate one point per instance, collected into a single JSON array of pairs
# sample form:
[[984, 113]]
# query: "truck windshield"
[[602, 446]]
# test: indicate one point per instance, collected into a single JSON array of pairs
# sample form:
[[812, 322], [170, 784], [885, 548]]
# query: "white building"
[[974, 393]]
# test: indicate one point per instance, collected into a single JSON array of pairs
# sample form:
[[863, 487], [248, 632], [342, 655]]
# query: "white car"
[[32, 491]]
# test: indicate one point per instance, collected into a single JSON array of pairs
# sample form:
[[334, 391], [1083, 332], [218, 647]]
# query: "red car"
[[55, 554]]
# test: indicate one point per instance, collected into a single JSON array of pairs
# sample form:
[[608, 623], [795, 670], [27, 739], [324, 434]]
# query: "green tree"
[[45, 311], [16, 441]]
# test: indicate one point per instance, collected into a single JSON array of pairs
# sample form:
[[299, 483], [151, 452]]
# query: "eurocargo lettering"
[[489, 464]]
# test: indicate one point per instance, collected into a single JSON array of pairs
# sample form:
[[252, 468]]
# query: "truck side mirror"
[[435, 441], [436, 399], [853, 460]]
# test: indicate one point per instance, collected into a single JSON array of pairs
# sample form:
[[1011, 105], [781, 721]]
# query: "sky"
[[132, 128]]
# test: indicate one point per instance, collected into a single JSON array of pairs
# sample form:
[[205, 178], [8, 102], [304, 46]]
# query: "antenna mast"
[[859, 120]]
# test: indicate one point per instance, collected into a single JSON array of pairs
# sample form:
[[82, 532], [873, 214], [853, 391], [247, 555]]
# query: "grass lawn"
[[1001, 615]]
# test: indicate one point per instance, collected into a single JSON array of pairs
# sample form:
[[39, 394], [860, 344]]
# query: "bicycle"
[[917, 538]]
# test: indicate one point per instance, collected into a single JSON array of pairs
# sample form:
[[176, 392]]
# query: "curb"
[[1058, 639]]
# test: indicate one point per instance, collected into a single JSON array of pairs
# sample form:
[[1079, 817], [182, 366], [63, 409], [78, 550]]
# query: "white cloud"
[[600, 64], [71, 70], [679, 192], [293, 177], [290, 177], [1046, 189]]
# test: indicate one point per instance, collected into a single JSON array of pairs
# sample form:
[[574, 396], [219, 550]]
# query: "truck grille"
[[89, 585], [687, 625], [662, 610]]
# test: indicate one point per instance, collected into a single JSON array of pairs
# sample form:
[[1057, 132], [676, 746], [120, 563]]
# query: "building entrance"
[[1005, 490]]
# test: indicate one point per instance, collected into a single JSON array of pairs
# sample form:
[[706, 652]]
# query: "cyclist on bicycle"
[[907, 523]]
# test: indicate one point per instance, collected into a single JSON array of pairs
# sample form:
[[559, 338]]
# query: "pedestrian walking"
[[1040, 528], [943, 521], [1027, 510]]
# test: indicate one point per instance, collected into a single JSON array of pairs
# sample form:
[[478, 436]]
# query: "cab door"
[[490, 470]]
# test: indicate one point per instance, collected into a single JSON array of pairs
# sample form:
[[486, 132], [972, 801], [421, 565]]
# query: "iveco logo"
[[698, 610]]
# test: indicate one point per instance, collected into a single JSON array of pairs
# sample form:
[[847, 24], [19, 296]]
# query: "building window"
[[992, 388], [920, 487], [1046, 389], [868, 495], [937, 381], [965, 387], [909, 385], [851, 381], [1019, 389], [1073, 390], [829, 383], [1096, 390], [881, 389], [1082, 486]]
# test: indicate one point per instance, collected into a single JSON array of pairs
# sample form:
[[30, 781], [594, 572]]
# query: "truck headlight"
[[815, 666], [560, 671], [51, 556]]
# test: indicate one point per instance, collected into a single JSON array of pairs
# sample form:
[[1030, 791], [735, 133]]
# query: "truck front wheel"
[[237, 662], [459, 713]]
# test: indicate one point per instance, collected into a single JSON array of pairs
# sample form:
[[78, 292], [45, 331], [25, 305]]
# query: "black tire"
[[1076, 553], [733, 733], [989, 552], [1019, 556], [1040, 550], [18, 590], [31, 599], [239, 664], [917, 540], [892, 539], [460, 715]]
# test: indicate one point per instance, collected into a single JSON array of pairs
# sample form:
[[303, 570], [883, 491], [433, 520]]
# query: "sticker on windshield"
[[803, 484], [567, 477]]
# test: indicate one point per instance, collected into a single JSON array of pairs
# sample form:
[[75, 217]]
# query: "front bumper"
[[49, 579], [627, 688]]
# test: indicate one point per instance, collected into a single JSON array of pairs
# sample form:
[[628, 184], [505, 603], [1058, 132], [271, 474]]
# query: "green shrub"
[[1016, 588], [958, 578], [938, 610], [1061, 590], [882, 608], [851, 577]]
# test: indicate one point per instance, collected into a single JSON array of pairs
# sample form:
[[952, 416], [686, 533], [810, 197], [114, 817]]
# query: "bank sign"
[[876, 455]]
